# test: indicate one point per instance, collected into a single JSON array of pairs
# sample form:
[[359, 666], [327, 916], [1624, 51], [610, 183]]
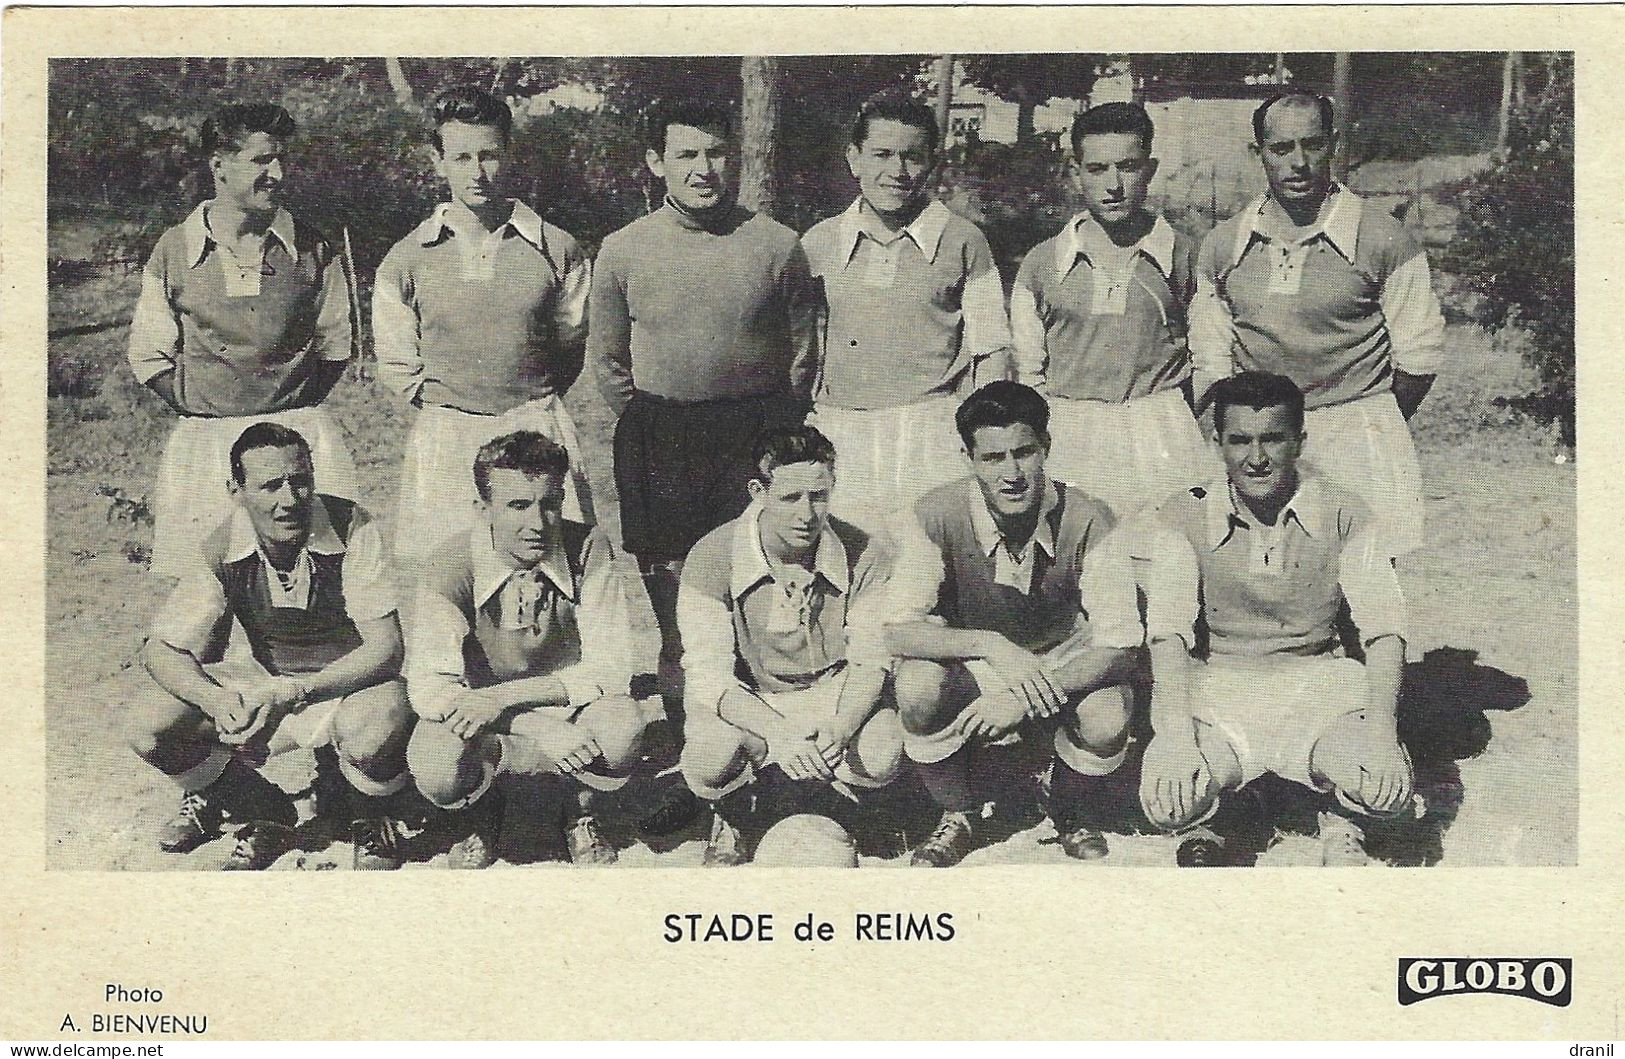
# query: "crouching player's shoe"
[[949, 844], [586, 842], [378, 843], [726, 846], [239, 794], [259, 844], [480, 827], [197, 821]]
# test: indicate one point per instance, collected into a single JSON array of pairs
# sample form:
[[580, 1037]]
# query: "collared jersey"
[[698, 309], [480, 621], [955, 565], [481, 321], [1335, 308], [906, 314], [1096, 322], [778, 628], [300, 626], [243, 338], [1229, 585]]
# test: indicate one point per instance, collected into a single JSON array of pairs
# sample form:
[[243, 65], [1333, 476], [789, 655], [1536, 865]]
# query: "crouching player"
[[304, 575], [1248, 575], [793, 601], [517, 661], [1009, 616]]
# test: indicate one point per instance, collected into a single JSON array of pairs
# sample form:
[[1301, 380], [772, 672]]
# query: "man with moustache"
[[479, 319], [1313, 283], [914, 314], [781, 612], [516, 664], [244, 315], [1244, 579], [1098, 315], [306, 578], [1012, 616], [702, 333]]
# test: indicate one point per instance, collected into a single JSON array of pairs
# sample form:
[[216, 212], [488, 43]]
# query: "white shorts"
[[1131, 455], [929, 748], [1271, 711], [437, 475], [812, 706], [887, 458], [307, 727], [191, 494], [1365, 446]]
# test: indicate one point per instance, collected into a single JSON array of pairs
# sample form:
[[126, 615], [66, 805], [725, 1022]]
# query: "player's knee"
[[710, 762], [373, 720], [876, 752], [619, 727], [156, 719], [920, 688], [434, 758], [1101, 720]]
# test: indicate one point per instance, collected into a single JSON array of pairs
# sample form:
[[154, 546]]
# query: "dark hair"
[[233, 123], [1113, 117], [264, 436], [696, 113], [779, 446], [526, 451], [1256, 390], [895, 106], [1293, 97], [1002, 404], [469, 106]]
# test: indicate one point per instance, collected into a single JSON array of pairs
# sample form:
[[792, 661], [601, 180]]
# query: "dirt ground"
[[1489, 704]]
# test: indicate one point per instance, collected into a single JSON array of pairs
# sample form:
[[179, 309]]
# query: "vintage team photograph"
[[881, 461]]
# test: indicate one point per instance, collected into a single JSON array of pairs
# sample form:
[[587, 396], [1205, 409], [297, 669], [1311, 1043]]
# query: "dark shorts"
[[681, 467]]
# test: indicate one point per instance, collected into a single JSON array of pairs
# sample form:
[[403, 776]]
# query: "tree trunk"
[[398, 82], [945, 92], [1508, 75], [1026, 110], [1343, 97], [761, 78]]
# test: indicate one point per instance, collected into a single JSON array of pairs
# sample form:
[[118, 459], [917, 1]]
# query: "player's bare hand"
[[1025, 674], [569, 747], [471, 713], [1385, 781], [1175, 781], [233, 718], [995, 715], [798, 754]]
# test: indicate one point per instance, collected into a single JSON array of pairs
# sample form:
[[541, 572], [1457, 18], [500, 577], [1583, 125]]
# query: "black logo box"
[[1545, 979]]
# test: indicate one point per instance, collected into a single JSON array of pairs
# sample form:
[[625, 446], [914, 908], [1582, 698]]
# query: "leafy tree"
[[1515, 243]]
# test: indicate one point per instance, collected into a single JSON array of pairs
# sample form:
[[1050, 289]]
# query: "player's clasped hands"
[[802, 753], [257, 709], [1026, 677]]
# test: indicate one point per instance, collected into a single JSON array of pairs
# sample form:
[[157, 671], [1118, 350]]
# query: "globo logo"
[[1546, 979]]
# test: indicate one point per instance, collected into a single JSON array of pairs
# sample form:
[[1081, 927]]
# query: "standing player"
[[1244, 579], [244, 315], [914, 315], [1098, 314], [703, 334], [781, 613], [305, 577], [516, 663], [479, 317], [1313, 283], [1010, 616]]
